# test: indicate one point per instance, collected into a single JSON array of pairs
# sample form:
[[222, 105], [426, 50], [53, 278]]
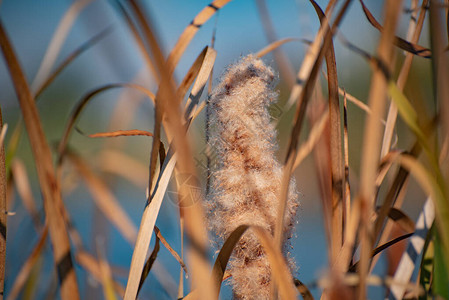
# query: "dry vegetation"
[[359, 223]]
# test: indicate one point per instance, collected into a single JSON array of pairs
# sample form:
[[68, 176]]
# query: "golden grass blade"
[[399, 42], [372, 138], [380, 248], [315, 134], [82, 104], [285, 68], [3, 133], [170, 249], [149, 264], [306, 68], [46, 173], [303, 290], [413, 19], [300, 112], [27, 267], [58, 39], [347, 195], [167, 105], [200, 82], [385, 165], [117, 133], [274, 45], [401, 219], [337, 171], [146, 227], [105, 200], [24, 189], [166, 86], [402, 79], [81, 49], [189, 32], [191, 74], [321, 157], [281, 274], [3, 207]]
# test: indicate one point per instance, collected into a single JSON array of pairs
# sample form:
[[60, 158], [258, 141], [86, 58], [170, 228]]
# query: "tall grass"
[[361, 209]]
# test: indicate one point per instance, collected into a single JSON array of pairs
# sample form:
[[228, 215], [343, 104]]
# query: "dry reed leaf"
[[373, 136], [58, 39], [149, 264], [409, 258], [336, 155], [281, 274], [385, 165], [304, 94], [401, 43], [274, 45], [303, 290], [70, 58], [200, 82], [105, 200], [46, 174], [22, 183], [165, 88], [191, 74], [167, 107], [82, 104], [404, 221], [170, 249], [117, 133], [382, 247], [308, 62], [402, 78], [321, 157], [148, 221], [165, 92], [347, 197], [28, 265], [3, 133], [189, 32], [413, 19], [3, 206]]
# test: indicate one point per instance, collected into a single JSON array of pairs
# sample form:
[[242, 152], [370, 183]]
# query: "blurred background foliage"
[[239, 31]]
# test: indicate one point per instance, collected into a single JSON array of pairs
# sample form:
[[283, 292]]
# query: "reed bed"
[[242, 200]]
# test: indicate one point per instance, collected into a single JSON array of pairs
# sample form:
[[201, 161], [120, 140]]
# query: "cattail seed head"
[[246, 177]]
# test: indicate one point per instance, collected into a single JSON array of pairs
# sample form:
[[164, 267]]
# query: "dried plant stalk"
[[246, 182], [3, 210]]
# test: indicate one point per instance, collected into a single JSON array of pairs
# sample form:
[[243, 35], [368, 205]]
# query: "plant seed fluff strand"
[[246, 177]]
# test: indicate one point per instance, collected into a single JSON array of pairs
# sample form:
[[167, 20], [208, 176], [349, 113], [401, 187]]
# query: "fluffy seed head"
[[246, 176]]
